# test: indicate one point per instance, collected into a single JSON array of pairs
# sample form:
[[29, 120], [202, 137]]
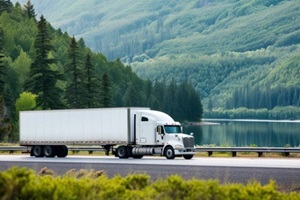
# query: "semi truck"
[[126, 132]]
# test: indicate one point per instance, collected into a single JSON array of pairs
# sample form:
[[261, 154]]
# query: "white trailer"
[[135, 131]]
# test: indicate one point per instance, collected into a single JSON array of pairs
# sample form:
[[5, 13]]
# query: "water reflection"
[[247, 133]]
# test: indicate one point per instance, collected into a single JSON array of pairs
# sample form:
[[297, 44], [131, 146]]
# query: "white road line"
[[198, 161]]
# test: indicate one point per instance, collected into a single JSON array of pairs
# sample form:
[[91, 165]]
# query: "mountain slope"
[[223, 47]]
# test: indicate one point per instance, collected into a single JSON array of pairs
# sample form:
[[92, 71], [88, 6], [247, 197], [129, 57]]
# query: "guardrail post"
[[260, 154], [210, 153], [234, 154], [286, 154]]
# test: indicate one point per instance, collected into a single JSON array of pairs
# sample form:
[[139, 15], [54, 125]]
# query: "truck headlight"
[[178, 146]]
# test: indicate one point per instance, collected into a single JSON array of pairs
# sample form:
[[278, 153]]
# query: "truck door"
[[160, 135]]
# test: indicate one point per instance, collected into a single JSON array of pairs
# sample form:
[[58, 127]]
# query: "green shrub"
[[21, 183]]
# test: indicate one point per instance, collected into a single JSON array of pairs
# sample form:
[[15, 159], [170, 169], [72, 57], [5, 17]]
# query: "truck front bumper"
[[184, 151]]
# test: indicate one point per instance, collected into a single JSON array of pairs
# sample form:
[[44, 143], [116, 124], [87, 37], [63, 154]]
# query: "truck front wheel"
[[188, 157], [169, 152], [37, 151], [122, 152]]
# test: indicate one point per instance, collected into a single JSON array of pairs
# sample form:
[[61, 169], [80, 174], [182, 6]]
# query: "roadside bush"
[[21, 183]]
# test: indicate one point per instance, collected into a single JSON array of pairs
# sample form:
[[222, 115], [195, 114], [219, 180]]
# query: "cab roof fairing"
[[160, 117]]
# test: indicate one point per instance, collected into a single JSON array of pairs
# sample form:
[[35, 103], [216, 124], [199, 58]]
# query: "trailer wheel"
[[188, 157], [122, 152], [169, 152], [37, 151], [62, 151], [49, 151]]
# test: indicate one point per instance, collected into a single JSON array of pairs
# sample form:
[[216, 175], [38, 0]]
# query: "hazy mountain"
[[226, 48]]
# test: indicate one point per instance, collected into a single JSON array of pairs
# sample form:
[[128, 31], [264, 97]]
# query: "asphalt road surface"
[[285, 171]]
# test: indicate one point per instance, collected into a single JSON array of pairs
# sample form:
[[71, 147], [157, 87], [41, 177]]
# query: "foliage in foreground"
[[21, 183]]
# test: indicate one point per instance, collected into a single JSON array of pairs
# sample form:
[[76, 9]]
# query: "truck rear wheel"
[[37, 151], [169, 152], [49, 151], [122, 152]]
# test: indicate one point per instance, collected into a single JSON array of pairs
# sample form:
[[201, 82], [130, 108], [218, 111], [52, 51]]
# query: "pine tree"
[[2, 65], [6, 126], [42, 80], [106, 94], [29, 10], [195, 107], [74, 90], [91, 84], [5, 5]]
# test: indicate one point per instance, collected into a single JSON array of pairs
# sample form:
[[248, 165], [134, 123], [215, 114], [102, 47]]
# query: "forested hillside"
[[237, 54], [45, 68]]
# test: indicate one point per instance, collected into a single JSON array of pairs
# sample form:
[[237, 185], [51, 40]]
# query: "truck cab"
[[154, 128]]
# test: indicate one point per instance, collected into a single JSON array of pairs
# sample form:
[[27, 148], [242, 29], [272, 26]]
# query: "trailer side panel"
[[83, 126]]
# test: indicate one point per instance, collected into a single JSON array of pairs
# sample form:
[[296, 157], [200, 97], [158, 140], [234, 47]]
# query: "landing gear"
[[106, 149]]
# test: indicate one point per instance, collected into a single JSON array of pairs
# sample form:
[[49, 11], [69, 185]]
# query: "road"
[[285, 171]]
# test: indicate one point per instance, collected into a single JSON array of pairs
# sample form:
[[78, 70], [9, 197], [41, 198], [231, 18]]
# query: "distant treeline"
[[254, 97], [277, 113]]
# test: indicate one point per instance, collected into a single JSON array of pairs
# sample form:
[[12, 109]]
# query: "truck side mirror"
[[159, 130]]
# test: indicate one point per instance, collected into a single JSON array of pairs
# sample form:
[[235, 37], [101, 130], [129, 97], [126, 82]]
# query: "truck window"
[[172, 129], [145, 119]]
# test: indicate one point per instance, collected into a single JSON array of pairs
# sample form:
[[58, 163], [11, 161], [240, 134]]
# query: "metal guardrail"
[[233, 150], [12, 149], [259, 150]]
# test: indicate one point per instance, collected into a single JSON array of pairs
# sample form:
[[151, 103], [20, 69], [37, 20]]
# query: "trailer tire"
[[188, 157], [62, 151], [37, 151], [49, 151], [122, 152], [169, 152]]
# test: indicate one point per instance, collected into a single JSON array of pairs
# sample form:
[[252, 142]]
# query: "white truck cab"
[[158, 129]]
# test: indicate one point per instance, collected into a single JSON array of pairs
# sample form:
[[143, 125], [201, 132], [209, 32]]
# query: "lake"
[[241, 133]]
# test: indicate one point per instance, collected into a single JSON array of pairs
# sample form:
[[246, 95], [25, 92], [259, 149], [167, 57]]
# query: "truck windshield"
[[172, 129]]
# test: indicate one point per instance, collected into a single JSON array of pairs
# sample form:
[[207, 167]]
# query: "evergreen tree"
[[170, 101], [74, 90], [6, 126], [194, 105], [2, 65], [5, 5], [29, 10], [91, 86], [158, 93], [131, 96], [42, 79], [106, 94]]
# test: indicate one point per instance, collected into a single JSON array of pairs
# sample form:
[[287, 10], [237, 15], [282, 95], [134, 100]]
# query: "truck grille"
[[188, 142]]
